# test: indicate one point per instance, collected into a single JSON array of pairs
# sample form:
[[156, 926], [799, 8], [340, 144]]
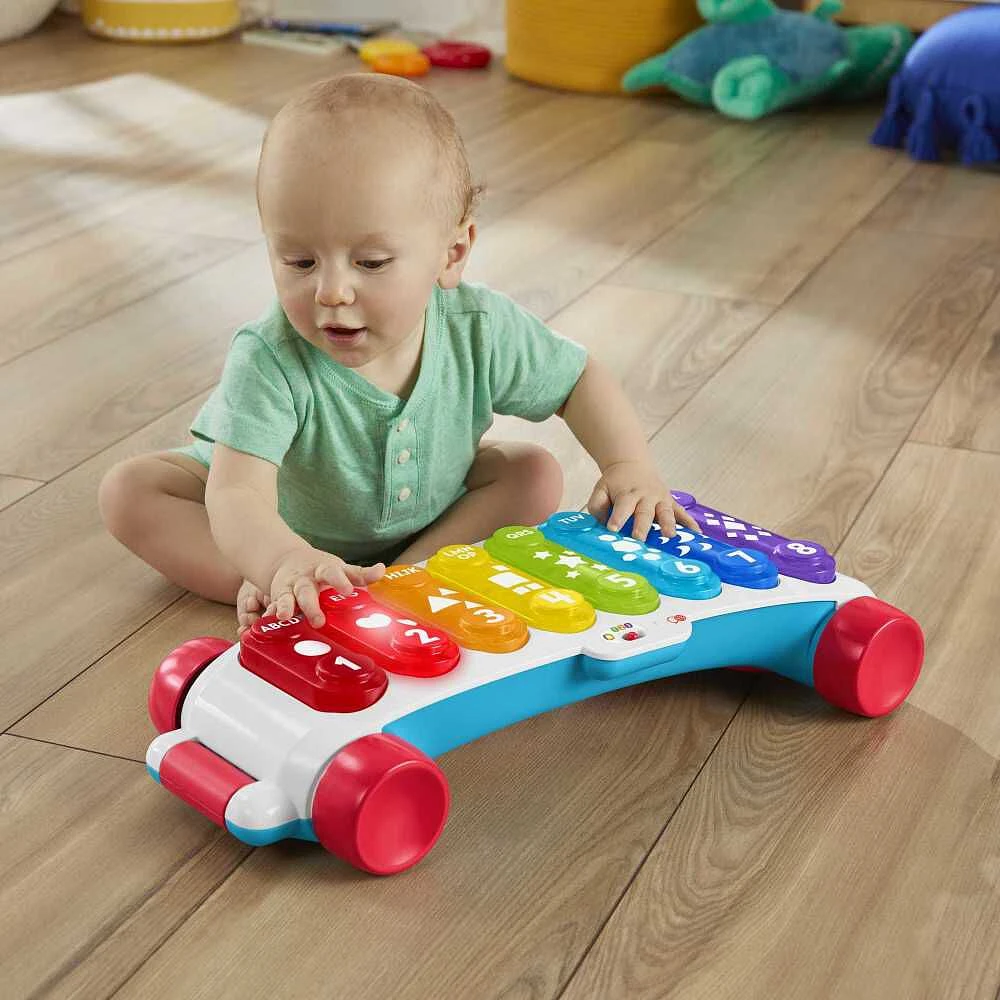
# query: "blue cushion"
[[947, 93]]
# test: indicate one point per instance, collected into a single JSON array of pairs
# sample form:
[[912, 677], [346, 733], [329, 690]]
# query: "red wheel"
[[868, 657], [175, 675], [380, 804]]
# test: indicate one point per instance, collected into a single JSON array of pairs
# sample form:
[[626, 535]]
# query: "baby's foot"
[[251, 603]]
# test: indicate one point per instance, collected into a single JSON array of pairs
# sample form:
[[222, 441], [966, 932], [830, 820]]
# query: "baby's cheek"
[[297, 307]]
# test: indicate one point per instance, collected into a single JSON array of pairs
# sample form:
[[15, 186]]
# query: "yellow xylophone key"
[[542, 606], [469, 622]]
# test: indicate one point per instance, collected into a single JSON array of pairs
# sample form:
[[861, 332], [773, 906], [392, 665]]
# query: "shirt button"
[[403, 457], [403, 424], [404, 493]]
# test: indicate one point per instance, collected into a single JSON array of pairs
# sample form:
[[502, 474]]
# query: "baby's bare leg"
[[509, 483], [155, 505]]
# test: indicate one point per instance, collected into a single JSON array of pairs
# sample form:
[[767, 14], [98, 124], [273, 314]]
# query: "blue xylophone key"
[[740, 567], [688, 578]]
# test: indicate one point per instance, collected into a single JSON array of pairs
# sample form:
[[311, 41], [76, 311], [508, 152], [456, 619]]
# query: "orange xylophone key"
[[471, 623]]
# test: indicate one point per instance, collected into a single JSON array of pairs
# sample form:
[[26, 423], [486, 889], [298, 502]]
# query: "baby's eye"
[[374, 265], [303, 264]]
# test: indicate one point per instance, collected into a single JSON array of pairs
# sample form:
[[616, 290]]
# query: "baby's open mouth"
[[343, 334]]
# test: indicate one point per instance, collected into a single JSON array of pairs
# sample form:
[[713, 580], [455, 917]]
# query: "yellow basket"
[[161, 20], [588, 44]]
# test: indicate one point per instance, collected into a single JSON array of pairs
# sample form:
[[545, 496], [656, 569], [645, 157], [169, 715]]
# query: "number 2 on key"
[[422, 635]]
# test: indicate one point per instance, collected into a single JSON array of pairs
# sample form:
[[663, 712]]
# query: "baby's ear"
[[458, 254]]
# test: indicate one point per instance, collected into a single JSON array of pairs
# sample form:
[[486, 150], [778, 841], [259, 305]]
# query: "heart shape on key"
[[374, 621]]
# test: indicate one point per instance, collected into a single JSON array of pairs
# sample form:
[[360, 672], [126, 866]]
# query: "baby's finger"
[[644, 511], [685, 518], [284, 605], [307, 598], [623, 509], [334, 573], [599, 504], [360, 576], [665, 518]]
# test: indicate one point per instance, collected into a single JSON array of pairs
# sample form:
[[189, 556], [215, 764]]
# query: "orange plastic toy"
[[402, 64]]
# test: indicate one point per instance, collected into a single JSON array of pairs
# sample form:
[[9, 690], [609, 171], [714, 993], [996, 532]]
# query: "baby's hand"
[[251, 603], [300, 576], [635, 488]]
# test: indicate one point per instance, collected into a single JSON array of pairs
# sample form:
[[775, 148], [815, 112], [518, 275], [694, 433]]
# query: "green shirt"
[[360, 471]]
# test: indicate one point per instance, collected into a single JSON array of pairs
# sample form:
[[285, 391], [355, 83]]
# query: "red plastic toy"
[[458, 55]]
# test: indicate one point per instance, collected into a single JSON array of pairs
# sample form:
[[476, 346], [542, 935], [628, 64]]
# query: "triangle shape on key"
[[446, 592], [439, 603], [471, 604]]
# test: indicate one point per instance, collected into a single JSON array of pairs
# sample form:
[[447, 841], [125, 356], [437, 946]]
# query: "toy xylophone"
[[328, 734]]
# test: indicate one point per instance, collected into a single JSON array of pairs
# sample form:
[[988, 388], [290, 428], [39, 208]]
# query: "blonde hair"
[[355, 92]]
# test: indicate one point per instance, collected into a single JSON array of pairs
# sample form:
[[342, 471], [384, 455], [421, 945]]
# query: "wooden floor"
[[810, 329]]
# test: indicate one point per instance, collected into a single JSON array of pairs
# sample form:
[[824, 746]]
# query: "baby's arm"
[[241, 497], [603, 420]]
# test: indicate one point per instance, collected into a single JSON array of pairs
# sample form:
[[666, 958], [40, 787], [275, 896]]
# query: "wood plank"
[[132, 124], [98, 867], [838, 857], [797, 431], [553, 247], [555, 138], [965, 411], [62, 53], [12, 489], [763, 236], [549, 821], [96, 271], [90, 152], [103, 709], [945, 200], [918, 15], [141, 361], [217, 201], [87, 593], [928, 539], [662, 346], [817, 855]]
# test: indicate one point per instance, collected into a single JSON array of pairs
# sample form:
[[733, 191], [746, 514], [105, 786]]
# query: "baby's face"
[[356, 237]]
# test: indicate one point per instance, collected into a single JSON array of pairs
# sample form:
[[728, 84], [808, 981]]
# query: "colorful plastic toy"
[[328, 734], [752, 58], [377, 48], [457, 55], [402, 64]]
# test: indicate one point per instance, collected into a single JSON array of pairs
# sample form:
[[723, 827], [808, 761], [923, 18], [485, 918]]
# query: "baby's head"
[[366, 201]]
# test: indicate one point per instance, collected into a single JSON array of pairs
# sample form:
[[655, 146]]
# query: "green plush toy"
[[752, 58]]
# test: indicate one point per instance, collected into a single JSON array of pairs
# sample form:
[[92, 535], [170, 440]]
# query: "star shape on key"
[[572, 575], [543, 554], [569, 560]]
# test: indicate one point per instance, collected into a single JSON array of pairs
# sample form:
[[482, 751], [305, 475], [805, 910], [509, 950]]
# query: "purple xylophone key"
[[800, 558]]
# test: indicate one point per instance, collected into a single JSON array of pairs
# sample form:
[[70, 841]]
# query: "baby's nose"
[[334, 290]]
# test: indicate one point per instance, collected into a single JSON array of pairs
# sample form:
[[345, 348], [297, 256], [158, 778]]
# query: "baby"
[[347, 429]]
